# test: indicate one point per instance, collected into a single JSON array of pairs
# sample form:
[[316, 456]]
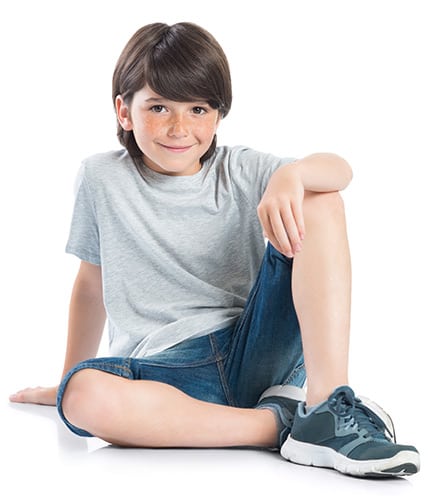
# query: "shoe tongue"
[[342, 401]]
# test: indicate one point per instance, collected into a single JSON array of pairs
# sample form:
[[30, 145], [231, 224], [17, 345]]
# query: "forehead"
[[147, 95]]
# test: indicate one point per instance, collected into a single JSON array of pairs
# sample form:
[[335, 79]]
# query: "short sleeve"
[[251, 170], [83, 241]]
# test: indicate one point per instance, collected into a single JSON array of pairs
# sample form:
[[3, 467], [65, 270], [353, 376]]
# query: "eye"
[[199, 110], [158, 108]]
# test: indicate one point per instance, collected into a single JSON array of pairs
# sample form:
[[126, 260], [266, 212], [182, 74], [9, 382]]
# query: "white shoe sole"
[[402, 464]]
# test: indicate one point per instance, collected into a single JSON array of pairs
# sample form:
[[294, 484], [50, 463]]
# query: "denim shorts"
[[231, 366]]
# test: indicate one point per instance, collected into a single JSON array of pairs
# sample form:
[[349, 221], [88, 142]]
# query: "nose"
[[178, 126]]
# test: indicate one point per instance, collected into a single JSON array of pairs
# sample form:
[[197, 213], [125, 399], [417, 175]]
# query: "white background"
[[343, 76]]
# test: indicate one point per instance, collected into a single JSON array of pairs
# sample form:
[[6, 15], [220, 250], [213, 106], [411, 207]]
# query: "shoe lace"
[[356, 415]]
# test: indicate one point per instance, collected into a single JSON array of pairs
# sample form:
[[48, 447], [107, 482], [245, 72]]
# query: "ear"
[[123, 113]]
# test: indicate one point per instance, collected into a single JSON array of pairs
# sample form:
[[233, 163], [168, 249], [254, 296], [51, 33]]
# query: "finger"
[[280, 234], [23, 396], [16, 398], [267, 230], [275, 243], [273, 227], [28, 395], [297, 208], [291, 229]]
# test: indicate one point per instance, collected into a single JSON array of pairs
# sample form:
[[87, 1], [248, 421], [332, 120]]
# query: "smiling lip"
[[176, 149]]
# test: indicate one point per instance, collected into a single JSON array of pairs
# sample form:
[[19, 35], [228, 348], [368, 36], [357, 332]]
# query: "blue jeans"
[[231, 366]]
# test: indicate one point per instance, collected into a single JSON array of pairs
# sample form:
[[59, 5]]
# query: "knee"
[[324, 206], [81, 397]]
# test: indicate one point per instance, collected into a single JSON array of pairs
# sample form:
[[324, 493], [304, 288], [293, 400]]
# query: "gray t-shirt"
[[179, 254]]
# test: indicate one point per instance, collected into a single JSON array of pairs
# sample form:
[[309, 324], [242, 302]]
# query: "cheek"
[[150, 126], [206, 130]]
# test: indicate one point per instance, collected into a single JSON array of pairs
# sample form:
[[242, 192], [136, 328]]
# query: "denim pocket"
[[201, 351]]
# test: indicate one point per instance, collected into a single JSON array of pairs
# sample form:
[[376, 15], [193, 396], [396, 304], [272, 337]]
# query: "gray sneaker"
[[351, 436]]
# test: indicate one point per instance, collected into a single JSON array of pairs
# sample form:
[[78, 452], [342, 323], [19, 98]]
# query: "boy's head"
[[182, 63]]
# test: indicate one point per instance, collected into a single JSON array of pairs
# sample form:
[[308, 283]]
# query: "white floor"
[[44, 460]]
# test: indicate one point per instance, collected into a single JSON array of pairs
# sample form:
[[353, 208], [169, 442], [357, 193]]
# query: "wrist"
[[291, 171]]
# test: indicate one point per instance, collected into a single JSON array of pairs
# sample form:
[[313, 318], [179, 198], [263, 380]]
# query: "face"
[[172, 135]]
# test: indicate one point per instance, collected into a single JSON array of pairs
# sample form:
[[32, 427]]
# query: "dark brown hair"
[[182, 62]]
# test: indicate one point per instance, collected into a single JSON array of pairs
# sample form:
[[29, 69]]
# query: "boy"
[[208, 327]]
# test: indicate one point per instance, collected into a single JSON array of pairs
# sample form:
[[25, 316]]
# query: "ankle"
[[318, 395]]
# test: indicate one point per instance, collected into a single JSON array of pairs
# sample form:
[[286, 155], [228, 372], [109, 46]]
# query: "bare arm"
[[85, 328], [322, 172], [281, 208], [86, 316]]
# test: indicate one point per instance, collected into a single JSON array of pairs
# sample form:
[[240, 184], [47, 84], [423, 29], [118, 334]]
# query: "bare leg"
[[153, 414], [322, 295]]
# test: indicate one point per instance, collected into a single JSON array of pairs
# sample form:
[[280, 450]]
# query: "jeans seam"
[[106, 366], [249, 308], [220, 368], [297, 370], [195, 364]]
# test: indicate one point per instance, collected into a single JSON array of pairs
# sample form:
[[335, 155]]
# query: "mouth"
[[176, 149]]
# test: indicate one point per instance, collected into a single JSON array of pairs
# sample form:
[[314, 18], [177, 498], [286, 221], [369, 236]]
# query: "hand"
[[281, 210], [36, 395]]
